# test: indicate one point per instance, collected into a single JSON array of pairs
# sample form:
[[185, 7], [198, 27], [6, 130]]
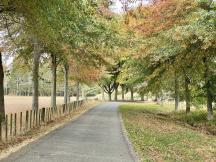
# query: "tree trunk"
[[132, 94], [110, 96], [187, 94], [83, 93], [28, 91], [161, 98], [17, 87], [66, 68], [209, 102], [176, 93], [35, 78], [102, 92], [142, 97], [157, 98], [2, 105], [53, 80], [69, 99], [78, 90], [208, 86], [116, 93], [69, 93], [123, 95]]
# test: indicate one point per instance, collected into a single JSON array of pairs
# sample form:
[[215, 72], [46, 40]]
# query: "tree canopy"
[[165, 46]]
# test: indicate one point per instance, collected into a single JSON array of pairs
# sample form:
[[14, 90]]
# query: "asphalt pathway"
[[96, 136]]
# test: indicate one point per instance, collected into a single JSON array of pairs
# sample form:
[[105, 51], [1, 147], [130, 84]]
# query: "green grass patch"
[[198, 117], [158, 134]]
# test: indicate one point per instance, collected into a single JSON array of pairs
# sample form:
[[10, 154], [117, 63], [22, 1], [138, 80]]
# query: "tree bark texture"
[[53, 80], [187, 93], [2, 104], [123, 91], [66, 68], [132, 93], [35, 73], [176, 93], [209, 94]]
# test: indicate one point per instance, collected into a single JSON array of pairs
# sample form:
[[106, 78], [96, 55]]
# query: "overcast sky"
[[117, 6]]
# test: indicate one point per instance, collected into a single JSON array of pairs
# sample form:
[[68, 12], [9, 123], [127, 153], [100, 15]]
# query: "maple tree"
[[166, 46], [171, 38]]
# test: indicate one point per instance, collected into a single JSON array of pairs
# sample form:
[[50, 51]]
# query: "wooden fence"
[[21, 123]]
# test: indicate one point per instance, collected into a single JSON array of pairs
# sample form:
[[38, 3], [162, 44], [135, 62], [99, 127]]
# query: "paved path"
[[94, 137]]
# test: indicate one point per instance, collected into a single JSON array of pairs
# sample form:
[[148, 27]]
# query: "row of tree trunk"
[[116, 94], [209, 93], [35, 81]]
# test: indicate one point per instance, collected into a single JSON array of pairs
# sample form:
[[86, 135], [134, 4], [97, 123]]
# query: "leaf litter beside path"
[[157, 138]]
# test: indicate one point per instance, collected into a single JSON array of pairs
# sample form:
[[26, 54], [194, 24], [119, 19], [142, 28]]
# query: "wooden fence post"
[[55, 112], [74, 105], [39, 117], [7, 128], [51, 113], [30, 119], [69, 108], [43, 114], [15, 124], [21, 122], [47, 115], [36, 118], [27, 121], [11, 126], [3, 131]]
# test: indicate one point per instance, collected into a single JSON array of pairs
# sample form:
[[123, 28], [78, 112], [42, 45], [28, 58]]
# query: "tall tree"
[[53, 80], [35, 74], [2, 105], [66, 71]]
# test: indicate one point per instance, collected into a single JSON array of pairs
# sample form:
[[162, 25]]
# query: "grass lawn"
[[158, 134]]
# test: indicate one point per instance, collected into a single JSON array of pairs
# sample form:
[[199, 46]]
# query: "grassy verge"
[[158, 134]]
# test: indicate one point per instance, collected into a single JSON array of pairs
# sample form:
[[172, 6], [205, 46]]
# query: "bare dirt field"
[[22, 103]]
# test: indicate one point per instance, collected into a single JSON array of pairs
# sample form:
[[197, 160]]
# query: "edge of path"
[[16, 145], [126, 138]]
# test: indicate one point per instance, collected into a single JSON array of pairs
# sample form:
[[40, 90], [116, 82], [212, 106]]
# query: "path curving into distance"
[[96, 136]]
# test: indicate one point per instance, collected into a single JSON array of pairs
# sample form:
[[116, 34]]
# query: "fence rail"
[[21, 123]]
